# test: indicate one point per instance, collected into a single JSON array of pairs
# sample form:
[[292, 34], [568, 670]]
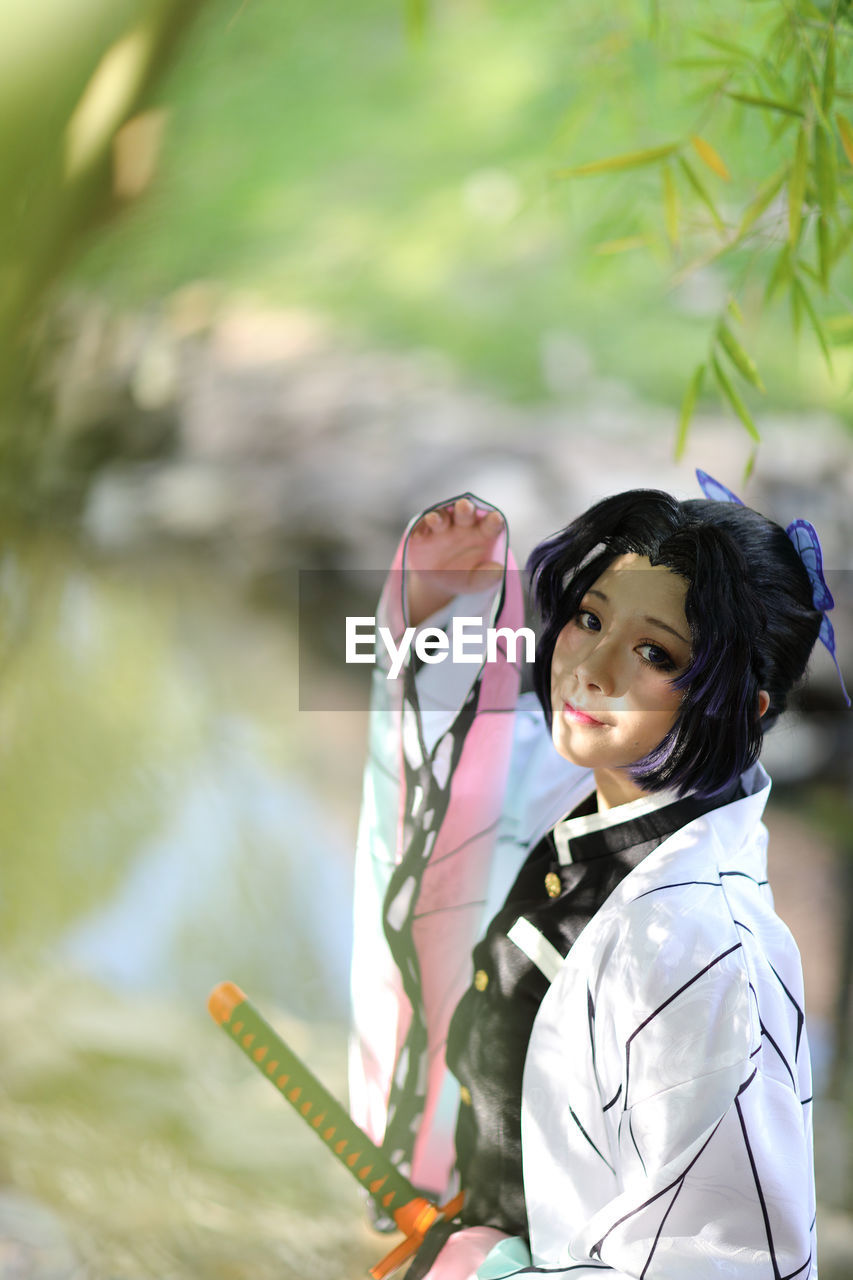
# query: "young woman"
[[566, 948]]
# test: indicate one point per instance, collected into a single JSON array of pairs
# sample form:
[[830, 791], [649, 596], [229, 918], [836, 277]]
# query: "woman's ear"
[[763, 702]]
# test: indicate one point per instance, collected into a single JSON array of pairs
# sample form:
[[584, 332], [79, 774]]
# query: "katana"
[[393, 1194]]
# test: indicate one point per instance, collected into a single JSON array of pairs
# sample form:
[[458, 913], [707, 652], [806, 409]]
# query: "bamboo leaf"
[[688, 404], [700, 190], [734, 309], [769, 104], [416, 19], [839, 330], [670, 205], [825, 169], [828, 86], [818, 106], [783, 124], [710, 156], [710, 89], [808, 306], [762, 201], [750, 465], [623, 244], [743, 362], [734, 399], [784, 38], [771, 76], [796, 309], [726, 45], [845, 129], [630, 160], [842, 244], [797, 185], [780, 273], [807, 59], [824, 250], [696, 64], [806, 270]]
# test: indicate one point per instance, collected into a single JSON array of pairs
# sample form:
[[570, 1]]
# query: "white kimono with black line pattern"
[[666, 1104], [666, 1100]]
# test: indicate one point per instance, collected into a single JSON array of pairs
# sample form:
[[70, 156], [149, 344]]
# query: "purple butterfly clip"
[[804, 537], [714, 490]]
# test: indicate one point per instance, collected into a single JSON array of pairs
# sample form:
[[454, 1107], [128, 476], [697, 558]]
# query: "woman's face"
[[613, 663]]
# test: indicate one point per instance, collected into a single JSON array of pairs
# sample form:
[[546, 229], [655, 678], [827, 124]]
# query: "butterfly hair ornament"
[[807, 545]]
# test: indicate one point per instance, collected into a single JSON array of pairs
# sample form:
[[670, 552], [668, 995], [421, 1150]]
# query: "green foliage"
[[788, 214], [389, 167]]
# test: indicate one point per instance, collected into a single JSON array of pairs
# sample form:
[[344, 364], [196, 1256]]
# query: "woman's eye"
[[588, 620], [657, 656]]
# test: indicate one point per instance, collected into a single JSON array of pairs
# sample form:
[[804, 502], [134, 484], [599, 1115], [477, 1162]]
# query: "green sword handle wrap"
[[413, 1213], [301, 1088]]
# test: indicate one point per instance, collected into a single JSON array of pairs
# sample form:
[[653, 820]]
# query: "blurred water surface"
[[159, 827]]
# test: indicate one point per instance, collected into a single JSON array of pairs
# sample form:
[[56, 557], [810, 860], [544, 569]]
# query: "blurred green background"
[[272, 277], [401, 179]]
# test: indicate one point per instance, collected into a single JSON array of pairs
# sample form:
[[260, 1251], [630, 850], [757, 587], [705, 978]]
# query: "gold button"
[[552, 885], [465, 1096], [481, 979]]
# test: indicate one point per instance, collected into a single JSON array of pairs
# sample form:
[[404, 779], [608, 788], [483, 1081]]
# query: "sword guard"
[[417, 1218]]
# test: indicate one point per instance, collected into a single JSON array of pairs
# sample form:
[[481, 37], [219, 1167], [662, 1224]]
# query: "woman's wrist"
[[424, 596]]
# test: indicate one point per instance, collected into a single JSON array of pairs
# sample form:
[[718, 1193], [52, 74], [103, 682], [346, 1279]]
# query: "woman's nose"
[[596, 670]]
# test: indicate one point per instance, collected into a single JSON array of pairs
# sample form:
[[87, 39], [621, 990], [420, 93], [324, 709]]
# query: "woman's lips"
[[580, 717]]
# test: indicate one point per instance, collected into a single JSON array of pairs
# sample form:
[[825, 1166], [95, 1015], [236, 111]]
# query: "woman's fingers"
[[449, 554], [462, 515], [491, 524], [435, 520]]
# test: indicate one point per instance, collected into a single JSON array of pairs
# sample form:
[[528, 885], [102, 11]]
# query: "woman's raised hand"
[[450, 552]]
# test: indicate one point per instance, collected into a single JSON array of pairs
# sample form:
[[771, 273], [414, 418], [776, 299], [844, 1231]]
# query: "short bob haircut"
[[749, 606]]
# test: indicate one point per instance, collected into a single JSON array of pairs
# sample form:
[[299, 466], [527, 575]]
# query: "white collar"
[[570, 828]]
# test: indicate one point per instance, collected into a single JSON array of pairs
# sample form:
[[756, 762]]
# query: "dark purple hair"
[[748, 604]]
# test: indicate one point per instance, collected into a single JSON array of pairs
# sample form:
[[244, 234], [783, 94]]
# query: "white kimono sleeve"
[[440, 748]]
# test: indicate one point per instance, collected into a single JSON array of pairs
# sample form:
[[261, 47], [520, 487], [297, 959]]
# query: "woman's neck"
[[614, 787]]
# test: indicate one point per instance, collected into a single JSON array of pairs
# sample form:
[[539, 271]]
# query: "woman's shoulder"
[[687, 908], [668, 933]]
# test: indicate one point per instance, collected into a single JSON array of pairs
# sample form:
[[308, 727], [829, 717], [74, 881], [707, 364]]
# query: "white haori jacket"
[[666, 1102]]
